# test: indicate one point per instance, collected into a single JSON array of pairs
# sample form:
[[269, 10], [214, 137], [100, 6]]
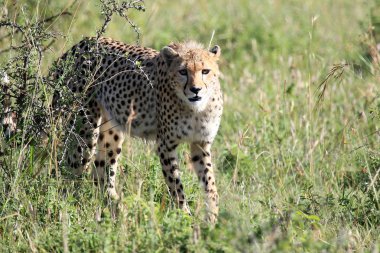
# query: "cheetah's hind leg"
[[110, 142], [83, 142]]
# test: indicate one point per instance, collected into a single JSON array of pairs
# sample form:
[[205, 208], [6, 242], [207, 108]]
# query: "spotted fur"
[[172, 96]]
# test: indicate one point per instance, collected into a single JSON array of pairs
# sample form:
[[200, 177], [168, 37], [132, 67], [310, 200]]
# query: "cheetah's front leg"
[[170, 169], [201, 159]]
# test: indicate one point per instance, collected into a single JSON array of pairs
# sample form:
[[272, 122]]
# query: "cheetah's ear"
[[215, 50], [169, 54]]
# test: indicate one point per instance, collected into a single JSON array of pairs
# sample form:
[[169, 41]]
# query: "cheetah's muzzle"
[[195, 99]]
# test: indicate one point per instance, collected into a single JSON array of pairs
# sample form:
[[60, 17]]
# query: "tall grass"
[[293, 174]]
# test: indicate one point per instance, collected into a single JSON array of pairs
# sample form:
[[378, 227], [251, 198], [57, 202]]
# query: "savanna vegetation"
[[297, 154]]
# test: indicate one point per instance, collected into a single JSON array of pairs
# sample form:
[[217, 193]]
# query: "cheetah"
[[172, 96]]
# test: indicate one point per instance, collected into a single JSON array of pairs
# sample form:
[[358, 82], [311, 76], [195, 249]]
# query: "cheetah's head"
[[193, 72]]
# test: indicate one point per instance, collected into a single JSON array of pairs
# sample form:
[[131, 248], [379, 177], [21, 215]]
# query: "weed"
[[291, 179]]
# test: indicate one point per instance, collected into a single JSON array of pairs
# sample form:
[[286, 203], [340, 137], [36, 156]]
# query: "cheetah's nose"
[[195, 89]]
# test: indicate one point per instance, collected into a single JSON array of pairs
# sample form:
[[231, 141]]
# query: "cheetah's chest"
[[200, 127]]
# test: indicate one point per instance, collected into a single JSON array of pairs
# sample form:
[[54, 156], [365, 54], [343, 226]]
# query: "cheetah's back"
[[121, 78]]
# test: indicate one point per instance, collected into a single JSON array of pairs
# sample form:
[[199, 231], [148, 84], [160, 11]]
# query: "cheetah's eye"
[[183, 72], [205, 71]]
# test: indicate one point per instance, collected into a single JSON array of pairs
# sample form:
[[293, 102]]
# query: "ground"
[[293, 174]]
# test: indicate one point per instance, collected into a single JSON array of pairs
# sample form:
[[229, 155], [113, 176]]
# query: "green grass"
[[293, 176]]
